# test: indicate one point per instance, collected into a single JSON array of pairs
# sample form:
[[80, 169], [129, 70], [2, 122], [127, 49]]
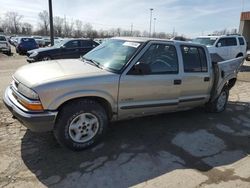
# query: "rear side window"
[[72, 44], [27, 40], [194, 59], [228, 41], [87, 43], [241, 41]]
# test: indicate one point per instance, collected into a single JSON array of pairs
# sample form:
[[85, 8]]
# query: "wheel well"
[[103, 102], [240, 55], [231, 83]]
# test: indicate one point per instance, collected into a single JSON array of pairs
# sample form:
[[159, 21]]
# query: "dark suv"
[[67, 49], [25, 44]]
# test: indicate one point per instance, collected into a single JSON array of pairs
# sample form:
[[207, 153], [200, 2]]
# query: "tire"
[[46, 58], [219, 104], [80, 124]]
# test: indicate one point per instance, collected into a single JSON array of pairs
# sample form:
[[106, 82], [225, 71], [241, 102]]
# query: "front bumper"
[[31, 60], [36, 122], [4, 49]]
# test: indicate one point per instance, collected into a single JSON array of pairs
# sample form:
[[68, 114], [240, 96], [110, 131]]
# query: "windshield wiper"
[[92, 62]]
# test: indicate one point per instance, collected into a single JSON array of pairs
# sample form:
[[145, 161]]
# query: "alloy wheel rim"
[[83, 127]]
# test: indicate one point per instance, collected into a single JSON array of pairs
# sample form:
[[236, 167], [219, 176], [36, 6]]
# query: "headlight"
[[27, 92], [34, 54]]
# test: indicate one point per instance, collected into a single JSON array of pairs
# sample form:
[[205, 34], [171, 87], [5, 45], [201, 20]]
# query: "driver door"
[[154, 92], [71, 50]]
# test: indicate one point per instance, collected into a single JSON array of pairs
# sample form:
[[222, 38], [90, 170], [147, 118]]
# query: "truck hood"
[[43, 72]]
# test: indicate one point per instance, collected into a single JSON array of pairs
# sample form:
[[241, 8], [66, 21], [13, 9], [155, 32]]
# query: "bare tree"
[[26, 28], [87, 30], [68, 28], [12, 22], [44, 22], [78, 28], [58, 26]]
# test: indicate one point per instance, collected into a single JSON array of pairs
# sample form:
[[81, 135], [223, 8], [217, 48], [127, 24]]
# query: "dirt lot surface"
[[185, 149]]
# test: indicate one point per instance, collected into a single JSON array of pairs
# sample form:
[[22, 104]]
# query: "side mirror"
[[219, 44], [62, 47], [140, 69]]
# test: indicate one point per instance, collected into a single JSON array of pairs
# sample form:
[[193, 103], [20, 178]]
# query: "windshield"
[[205, 41], [113, 54]]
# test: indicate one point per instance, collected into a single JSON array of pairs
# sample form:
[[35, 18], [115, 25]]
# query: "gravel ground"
[[184, 149]]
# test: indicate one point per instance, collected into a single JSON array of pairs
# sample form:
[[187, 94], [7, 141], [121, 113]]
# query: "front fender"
[[57, 102]]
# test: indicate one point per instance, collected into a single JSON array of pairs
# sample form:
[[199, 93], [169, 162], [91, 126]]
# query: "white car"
[[4, 45], [225, 46]]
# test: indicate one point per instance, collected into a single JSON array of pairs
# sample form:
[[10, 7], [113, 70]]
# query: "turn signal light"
[[32, 106]]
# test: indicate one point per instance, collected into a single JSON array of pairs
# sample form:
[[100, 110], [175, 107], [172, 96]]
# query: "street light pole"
[[154, 25], [150, 23], [51, 23]]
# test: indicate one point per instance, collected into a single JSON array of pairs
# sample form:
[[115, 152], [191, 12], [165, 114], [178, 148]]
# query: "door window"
[[72, 44], [194, 59], [161, 58]]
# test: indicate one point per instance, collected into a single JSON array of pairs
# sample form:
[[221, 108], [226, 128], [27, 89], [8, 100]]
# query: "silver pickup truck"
[[120, 79]]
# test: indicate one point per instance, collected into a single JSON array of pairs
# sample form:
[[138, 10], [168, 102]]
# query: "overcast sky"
[[189, 17]]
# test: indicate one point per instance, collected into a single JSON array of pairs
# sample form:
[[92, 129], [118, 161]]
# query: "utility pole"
[[150, 23], [51, 23]]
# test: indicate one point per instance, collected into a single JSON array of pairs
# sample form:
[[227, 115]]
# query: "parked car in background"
[[5, 45], [15, 41], [248, 55], [225, 46], [179, 38], [25, 44], [39, 40], [71, 48], [120, 79]]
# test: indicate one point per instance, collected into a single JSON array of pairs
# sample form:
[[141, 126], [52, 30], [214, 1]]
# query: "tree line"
[[12, 24]]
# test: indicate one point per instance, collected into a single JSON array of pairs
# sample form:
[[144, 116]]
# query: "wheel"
[[80, 124], [46, 58], [219, 104], [9, 53]]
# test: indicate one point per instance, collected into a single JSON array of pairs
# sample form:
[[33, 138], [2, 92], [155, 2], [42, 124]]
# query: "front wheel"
[[46, 58], [219, 104], [80, 124]]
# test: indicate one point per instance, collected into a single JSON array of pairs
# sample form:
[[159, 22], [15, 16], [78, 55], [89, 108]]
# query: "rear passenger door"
[[196, 79], [243, 47]]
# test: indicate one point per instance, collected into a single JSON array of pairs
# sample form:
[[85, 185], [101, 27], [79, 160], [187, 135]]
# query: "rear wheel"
[[219, 104], [80, 124]]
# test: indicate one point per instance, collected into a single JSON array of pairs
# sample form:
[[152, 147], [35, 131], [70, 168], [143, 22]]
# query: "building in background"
[[245, 26]]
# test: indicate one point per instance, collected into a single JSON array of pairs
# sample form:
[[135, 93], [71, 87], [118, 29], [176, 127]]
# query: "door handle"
[[206, 79], [177, 82]]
